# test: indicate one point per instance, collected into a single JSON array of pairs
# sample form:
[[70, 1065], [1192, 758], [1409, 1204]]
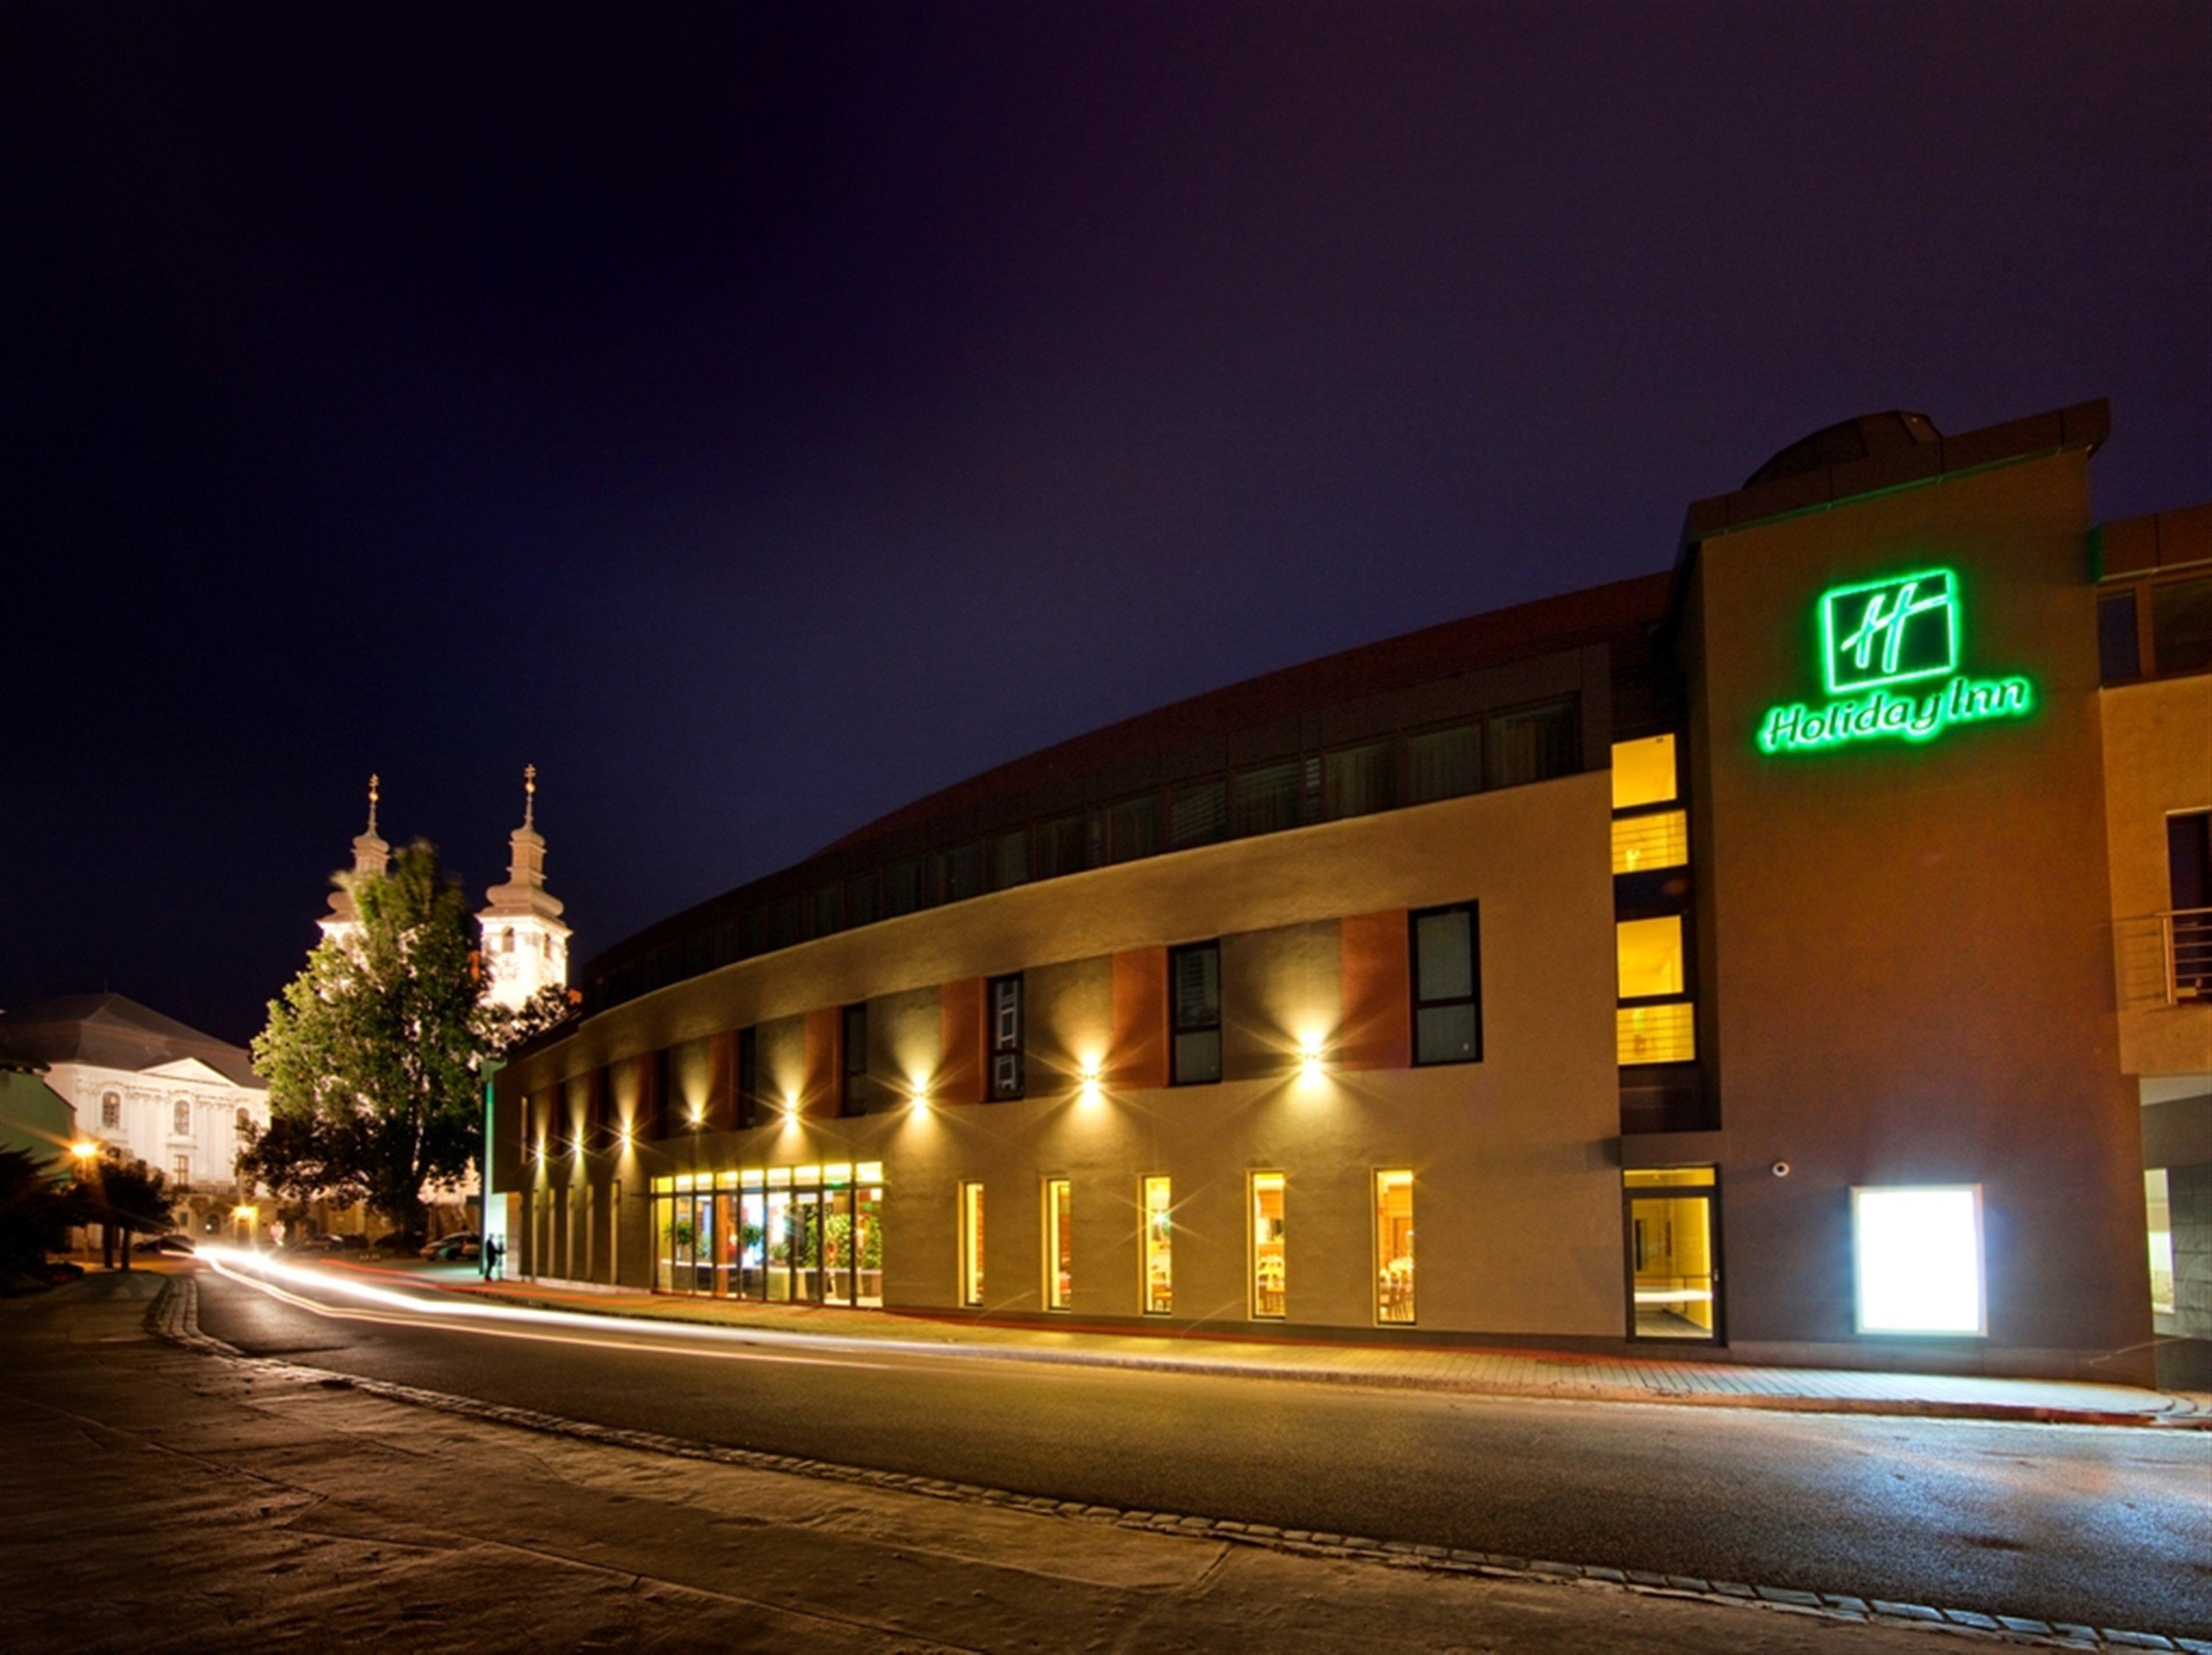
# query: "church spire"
[[525, 946], [529, 794], [372, 857]]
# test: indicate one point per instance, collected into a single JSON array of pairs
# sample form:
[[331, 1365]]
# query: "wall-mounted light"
[[1088, 1088], [1310, 1058]]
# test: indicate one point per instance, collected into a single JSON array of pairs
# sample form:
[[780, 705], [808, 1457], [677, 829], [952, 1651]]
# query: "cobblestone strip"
[[174, 1316]]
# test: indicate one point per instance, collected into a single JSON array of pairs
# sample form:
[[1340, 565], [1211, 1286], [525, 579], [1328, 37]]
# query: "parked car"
[[180, 1245], [448, 1250]]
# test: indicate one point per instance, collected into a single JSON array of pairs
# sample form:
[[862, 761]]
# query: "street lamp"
[[243, 1218], [85, 1151]]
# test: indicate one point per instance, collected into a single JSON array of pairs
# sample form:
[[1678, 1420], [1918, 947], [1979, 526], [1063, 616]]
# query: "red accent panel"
[[1377, 1031], [959, 1077], [1139, 1056]]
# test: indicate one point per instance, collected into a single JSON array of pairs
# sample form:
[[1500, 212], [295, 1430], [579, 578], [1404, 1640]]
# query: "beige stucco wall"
[[2158, 759], [1517, 1203]]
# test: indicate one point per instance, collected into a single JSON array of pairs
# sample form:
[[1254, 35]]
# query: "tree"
[[128, 1198], [302, 1159], [36, 1210], [378, 1044], [551, 1006]]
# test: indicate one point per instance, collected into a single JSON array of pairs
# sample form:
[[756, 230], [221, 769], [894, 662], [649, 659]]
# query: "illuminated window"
[[1159, 1238], [180, 1118], [1059, 1243], [1650, 956], [1393, 1247], [1444, 764], [1006, 1026], [182, 1167], [1656, 1034], [971, 1243], [1659, 839], [1194, 1005], [1919, 1256], [1267, 1288], [1671, 1252], [2157, 1205], [1447, 1001], [1643, 772], [111, 1110]]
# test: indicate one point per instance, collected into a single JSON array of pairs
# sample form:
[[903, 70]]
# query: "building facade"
[[1792, 956]]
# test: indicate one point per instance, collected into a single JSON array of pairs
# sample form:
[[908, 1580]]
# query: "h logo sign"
[[1889, 631]]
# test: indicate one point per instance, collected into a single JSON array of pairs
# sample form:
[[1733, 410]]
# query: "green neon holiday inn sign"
[[1890, 663]]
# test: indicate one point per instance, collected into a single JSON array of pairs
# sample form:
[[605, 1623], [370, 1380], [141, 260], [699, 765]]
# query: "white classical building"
[[147, 1088]]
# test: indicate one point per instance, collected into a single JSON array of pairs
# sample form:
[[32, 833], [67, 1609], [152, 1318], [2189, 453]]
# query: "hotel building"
[[1801, 954]]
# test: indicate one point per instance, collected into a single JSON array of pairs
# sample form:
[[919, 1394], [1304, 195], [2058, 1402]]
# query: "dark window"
[[753, 931], [111, 1110], [1357, 781], [1534, 744], [1133, 829], [725, 943], [1447, 986], [861, 904], [1062, 847], [963, 873], [853, 1078], [786, 920], [2120, 654], [1010, 860], [1197, 813], [749, 1109], [2189, 870], [824, 911], [1444, 764], [902, 887], [1264, 800], [2181, 626], [652, 1114], [1194, 1009], [1005, 1004]]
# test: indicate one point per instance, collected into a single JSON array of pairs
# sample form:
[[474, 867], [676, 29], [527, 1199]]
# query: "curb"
[[174, 1317], [1891, 1407]]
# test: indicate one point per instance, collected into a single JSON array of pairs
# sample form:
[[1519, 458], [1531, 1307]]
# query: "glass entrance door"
[[805, 1217], [1673, 1253], [868, 1244], [837, 1246]]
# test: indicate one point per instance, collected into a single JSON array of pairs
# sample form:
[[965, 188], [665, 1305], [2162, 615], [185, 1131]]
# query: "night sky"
[[758, 419]]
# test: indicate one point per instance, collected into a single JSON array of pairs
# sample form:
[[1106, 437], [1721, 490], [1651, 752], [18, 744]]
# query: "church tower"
[[525, 946], [371, 858]]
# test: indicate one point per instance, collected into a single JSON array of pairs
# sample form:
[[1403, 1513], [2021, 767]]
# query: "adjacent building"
[[1801, 953]]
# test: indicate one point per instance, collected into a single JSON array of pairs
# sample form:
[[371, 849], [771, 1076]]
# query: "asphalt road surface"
[[2105, 1526]]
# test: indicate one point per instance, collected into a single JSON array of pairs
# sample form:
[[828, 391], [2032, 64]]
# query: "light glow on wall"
[[1918, 1253]]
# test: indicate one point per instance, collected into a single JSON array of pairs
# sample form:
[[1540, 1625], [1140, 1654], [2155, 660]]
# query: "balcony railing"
[[2166, 959]]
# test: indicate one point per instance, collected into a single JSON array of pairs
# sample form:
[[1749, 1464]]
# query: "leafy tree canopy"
[[36, 1210]]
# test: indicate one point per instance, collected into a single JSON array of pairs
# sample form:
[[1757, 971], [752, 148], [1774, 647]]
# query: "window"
[[748, 1077], [1918, 1253], [1159, 1238], [1005, 1032], [1059, 1243], [1672, 1251], [111, 1110], [1643, 772], [971, 1243], [861, 906], [2189, 886], [506, 941], [853, 1054], [1650, 962], [1393, 1247], [1010, 860], [1444, 764], [1264, 800], [182, 1169], [1194, 1008], [2158, 1207], [1062, 848], [1650, 956], [1196, 814], [1656, 1034], [180, 1119], [902, 887], [822, 912], [1447, 986], [1268, 1297], [2119, 652], [1357, 781], [1533, 744], [964, 872], [1655, 839], [1133, 829], [244, 1122], [2181, 626]]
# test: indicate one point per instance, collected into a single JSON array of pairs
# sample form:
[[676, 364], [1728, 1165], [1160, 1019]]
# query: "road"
[[2098, 1525]]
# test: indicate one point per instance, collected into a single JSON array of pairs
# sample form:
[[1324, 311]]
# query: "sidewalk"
[[1498, 1373]]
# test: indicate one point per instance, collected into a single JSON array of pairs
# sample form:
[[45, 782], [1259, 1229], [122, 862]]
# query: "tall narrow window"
[[1447, 986], [853, 1076], [1673, 1258], [1006, 1030], [1010, 860], [180, 1119], [962, 874], [2189, 885], [1059, 1243], [2181, 626], [971, 1243], [1159, 1242], [1194, 989], [2119, 649], [111, 1110], [1393, 1247], [182, 1168], [1269, 1296], [749, 1111]]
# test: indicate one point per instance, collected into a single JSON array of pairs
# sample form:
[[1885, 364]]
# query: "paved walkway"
[[1510, 1372]]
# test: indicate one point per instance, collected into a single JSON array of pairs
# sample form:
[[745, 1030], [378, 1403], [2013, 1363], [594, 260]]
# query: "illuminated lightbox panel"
[[1919, 1257]]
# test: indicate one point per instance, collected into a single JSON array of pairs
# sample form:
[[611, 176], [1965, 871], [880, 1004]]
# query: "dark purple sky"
[[759, 420]]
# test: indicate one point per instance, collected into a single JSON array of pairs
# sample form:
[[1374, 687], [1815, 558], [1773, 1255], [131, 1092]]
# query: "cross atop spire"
[[374, 782], [529, 794]]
